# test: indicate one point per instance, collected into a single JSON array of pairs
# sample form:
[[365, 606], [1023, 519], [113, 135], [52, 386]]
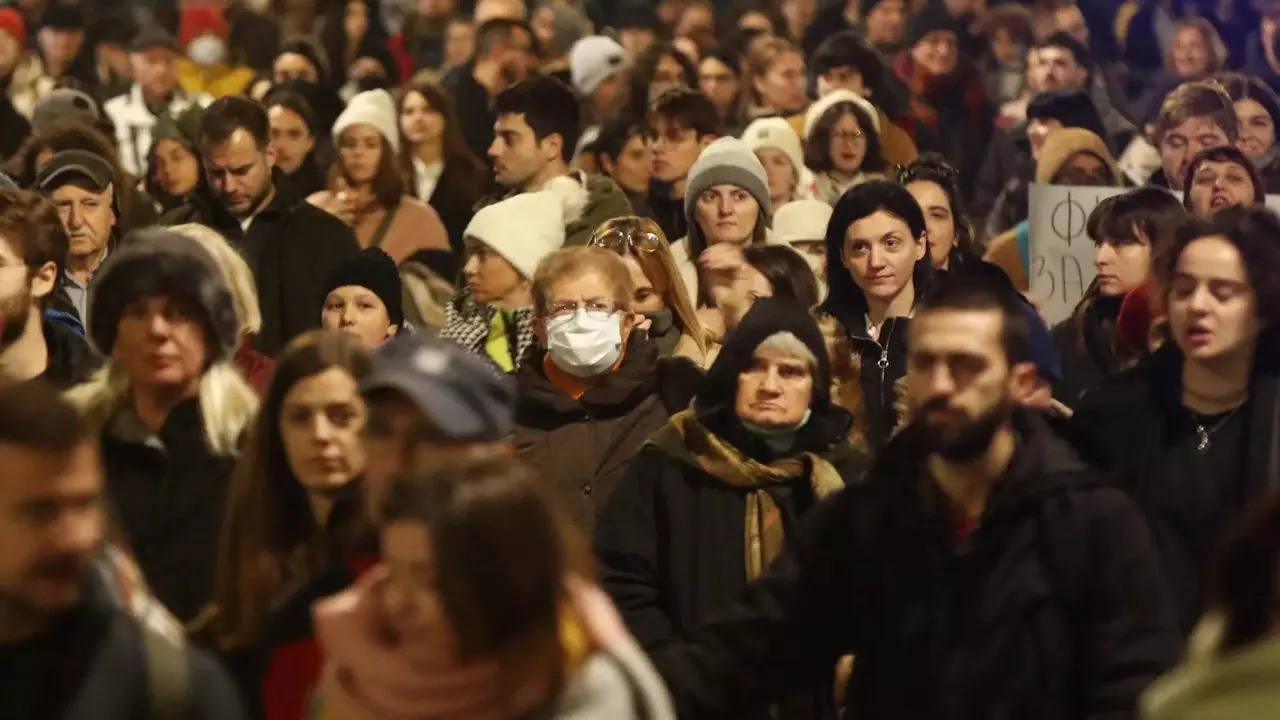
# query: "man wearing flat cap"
[[153, 55], [79, 184]]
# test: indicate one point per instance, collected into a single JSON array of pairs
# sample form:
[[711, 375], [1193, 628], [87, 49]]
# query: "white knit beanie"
[[523, 229], [775, 133], [592, 60], [728, 161], [371, 107], [800, 221], [833, 98]]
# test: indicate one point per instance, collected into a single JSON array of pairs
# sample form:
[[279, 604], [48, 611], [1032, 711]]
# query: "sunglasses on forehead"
[[624, 241]]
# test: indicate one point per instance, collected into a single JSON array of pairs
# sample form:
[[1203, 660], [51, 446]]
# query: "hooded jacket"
[[583, 445], [587, 201], [670, 542], [1138, 423], [1052, 607]]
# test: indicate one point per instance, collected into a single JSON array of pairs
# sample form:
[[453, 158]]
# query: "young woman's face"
[[360, 149], [1213, 311], [848, 144], [419, 122], [647, 299], [938, 220], [781, 86], [359, 311], [727, 213], [1189, 53], [1123, 264], [177, 169], [880, 254], [1257, 128], [719, 83], [1217, 185], [410, 604], [321, 425], [782, 176], [290, 137], [490, 278]]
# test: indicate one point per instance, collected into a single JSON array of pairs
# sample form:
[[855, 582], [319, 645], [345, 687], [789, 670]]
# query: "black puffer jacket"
[[1052, 608]]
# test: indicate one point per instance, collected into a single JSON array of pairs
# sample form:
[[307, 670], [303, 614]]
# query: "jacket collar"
[[615, 394]]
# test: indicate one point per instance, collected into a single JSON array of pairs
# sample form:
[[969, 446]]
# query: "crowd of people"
[[444, 359]]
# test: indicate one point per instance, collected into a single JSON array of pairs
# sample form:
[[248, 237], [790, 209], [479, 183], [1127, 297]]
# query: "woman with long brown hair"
[[660, 295], [292, 519], [366, 188], [435, 156]]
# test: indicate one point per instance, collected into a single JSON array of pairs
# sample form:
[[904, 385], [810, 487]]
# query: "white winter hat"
[[523, 229], [800, 221], [592, 60], [775, 133], [371, 107], [830, 100]]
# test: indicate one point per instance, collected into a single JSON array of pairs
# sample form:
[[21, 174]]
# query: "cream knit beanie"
[[523, 229], [371, 107], [833, 98]]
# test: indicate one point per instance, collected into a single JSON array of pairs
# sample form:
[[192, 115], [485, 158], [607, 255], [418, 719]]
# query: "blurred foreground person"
[[69, 650], [472, 612], [981, 571]]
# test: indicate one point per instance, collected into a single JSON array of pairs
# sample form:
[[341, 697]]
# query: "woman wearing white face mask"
[[593, 391], [206, 66]]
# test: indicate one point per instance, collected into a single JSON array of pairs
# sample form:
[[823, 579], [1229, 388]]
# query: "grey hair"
[[786, 341]]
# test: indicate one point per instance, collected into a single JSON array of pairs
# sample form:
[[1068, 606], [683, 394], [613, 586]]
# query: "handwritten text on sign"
[[1061, 252]]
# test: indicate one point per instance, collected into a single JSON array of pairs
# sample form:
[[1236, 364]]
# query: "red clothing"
[[254, 367]]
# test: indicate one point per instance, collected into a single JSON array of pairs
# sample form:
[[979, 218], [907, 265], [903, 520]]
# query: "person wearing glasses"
[[660, 293], [715, 495], [593, 389], [841, 144]]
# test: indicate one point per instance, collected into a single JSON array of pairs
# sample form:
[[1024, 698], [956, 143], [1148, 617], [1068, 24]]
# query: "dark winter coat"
[[471, 104], [1137, 421], [168, 491], [583, 446], [955, 109], [292, 247], [668, 213], [89, 663], [1086, 343], [1051, 608], [71, 359], [880, 365], [1008, 157]]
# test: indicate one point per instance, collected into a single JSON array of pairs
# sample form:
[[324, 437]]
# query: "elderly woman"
[[707, 505], [1192, 428], [1219, 178], [171, 406], [660, 293]]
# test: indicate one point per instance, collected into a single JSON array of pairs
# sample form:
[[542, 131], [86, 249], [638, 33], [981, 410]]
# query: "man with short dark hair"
[[535, 134], [505, 55], [622, 152], [681, 123], [36, 342], [291, 246], [981, 570], [153, 55], [70, 646]]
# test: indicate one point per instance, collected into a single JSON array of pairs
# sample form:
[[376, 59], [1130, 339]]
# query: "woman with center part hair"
[[877, 267], [708, 505], [842, 144], [492, 314], [1192, 430], [366, 188], [293, 521], [1258, 110]]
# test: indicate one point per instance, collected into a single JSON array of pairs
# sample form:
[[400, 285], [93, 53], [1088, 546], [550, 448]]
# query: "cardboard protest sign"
[[1061, 252]]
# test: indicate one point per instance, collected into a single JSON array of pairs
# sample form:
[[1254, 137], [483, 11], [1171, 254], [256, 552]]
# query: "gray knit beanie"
[[727, 161]]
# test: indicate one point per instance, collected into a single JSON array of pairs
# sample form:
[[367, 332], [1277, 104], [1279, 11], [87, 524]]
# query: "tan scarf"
[[764, 529]]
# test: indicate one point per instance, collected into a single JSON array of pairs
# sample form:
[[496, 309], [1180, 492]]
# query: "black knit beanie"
[[933, 16], [374, 270]]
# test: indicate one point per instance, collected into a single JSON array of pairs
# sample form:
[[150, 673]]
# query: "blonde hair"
[[227, 404], [574, 261], [660, 268], [762, 55], [1213, 44], [234, 270]]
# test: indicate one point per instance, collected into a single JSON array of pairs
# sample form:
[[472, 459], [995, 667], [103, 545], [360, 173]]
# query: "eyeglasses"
[[850, 136], [599, 307], [624, 241]]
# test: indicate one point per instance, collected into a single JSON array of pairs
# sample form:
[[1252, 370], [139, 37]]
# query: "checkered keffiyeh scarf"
[[467, 323]]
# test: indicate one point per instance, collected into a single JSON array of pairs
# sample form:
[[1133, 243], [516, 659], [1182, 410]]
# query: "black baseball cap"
[[460, 394], [152, 36], [71, 165]]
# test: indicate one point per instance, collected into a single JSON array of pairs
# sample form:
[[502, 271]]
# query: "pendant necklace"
[[1204, 435]]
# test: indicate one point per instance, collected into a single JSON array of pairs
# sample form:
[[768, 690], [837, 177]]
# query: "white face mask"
[[584, 344], [207, 50]]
